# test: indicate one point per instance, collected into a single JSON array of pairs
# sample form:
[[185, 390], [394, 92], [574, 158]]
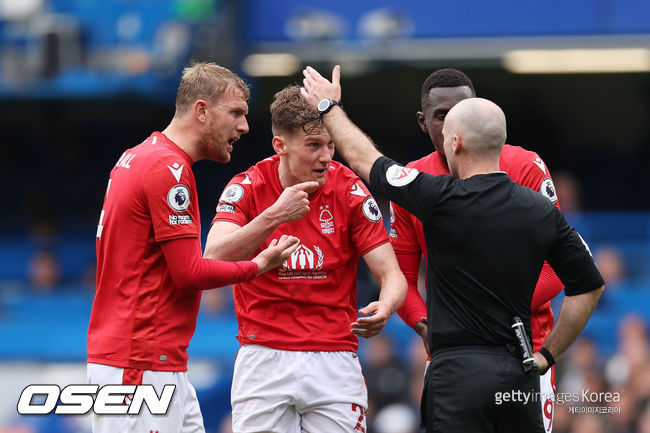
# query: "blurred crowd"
[[613, 392]]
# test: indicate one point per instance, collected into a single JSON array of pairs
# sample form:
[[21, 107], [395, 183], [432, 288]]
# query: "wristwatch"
[[326, 105]]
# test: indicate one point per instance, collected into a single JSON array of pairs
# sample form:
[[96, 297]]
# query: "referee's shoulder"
[[535, 198]]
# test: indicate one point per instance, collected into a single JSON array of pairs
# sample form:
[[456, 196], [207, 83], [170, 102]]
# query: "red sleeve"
[[547, 288], [403, 238], [367, 230], [189, 270], [403, 234], [171, 200], [235, 202], [414, 307], [536, 176]]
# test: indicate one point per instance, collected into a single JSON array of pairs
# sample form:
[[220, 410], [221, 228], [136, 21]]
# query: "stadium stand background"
[[81, 80]]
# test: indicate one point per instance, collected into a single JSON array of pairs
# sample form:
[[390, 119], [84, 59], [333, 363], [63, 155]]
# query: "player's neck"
[[182, 137]]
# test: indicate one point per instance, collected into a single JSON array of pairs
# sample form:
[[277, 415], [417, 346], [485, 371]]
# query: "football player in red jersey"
[[150, 272], [442, 90], [297, 369]]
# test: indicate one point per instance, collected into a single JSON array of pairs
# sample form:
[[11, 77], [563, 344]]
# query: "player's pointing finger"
[[308, 187]]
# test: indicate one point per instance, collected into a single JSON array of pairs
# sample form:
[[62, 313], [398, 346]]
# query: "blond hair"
[[207, 81]]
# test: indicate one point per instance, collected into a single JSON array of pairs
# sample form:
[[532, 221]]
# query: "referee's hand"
[[542, 363], [370, 326], [316, 87]]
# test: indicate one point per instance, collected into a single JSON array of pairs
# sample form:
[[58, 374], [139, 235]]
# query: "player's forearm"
[[189, 270], [354, 145], [574, 314], [243, 242], [383, 264], [393, 290], [239, 245]]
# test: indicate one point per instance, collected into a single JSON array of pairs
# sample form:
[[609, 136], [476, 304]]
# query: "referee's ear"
[[457, 144]]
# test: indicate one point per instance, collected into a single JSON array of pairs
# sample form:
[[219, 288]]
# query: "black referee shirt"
[[487, 238]]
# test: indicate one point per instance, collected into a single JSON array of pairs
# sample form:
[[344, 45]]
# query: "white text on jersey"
[[125, 160]]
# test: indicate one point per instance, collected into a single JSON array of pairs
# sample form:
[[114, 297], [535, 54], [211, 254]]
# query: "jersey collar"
[[162, 139]]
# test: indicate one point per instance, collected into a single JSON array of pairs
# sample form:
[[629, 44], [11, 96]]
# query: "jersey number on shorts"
[[359, 426]]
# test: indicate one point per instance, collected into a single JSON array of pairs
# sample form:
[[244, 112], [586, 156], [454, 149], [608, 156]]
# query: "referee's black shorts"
[[476, 389]]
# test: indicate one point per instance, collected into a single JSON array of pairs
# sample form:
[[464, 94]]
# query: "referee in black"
[[487, 238]]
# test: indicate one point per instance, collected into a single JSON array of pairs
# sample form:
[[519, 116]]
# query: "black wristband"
[[546, 354]]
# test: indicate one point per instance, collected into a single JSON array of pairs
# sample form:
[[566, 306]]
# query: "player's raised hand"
[[316, 87], [293, 203], [370, 326], [276, 253]]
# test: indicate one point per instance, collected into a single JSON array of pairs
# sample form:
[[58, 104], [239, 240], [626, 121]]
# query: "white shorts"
[[183, 416], [291, 392], [547, 393]]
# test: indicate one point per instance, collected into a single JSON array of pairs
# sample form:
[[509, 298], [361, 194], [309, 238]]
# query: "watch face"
[[323, 105]]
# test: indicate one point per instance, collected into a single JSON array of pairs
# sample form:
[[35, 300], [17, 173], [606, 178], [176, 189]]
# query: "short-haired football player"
[[297, 369], [150, 272]]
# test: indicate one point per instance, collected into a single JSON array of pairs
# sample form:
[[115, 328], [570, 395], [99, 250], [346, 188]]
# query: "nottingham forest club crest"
[[326, 220]]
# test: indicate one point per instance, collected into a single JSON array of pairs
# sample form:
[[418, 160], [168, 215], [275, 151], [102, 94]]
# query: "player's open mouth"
[[231, 142], [321, 171]]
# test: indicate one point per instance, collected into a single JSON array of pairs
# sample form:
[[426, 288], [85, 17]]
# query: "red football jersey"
[[407, 237], [139, 318], [309, 302]]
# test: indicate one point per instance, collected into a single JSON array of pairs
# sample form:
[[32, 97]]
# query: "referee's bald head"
[[481, 123]]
